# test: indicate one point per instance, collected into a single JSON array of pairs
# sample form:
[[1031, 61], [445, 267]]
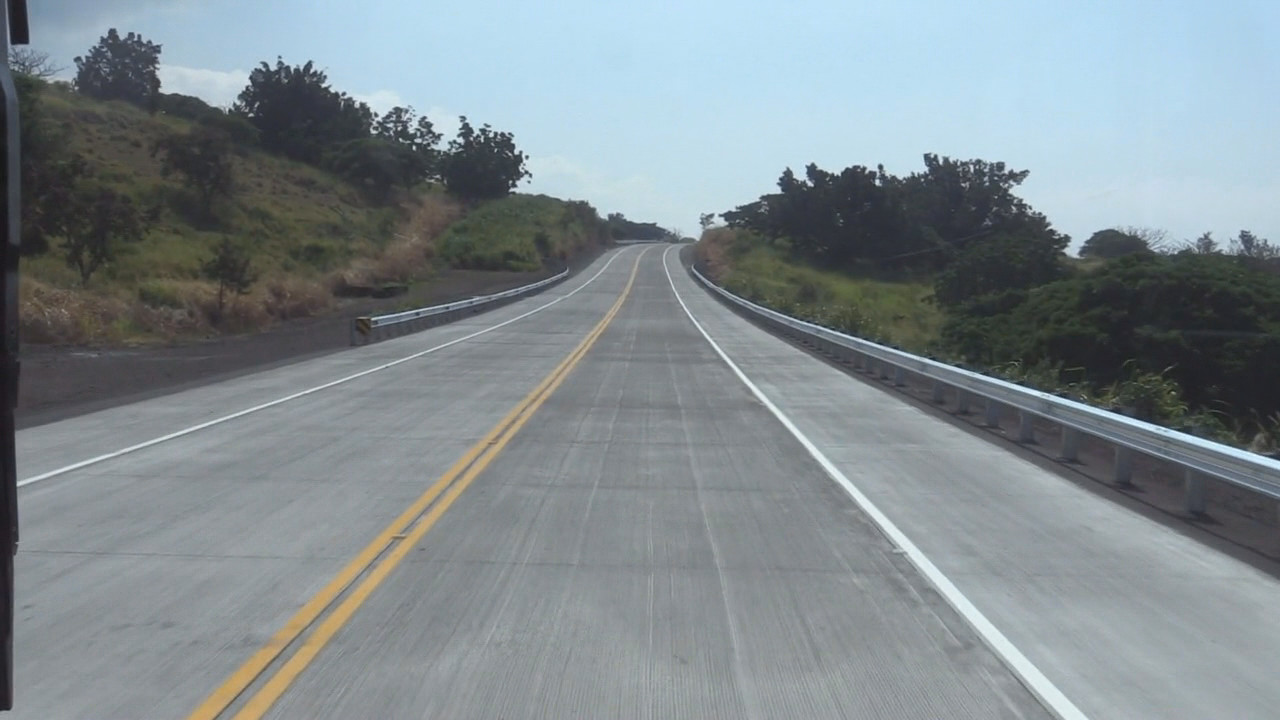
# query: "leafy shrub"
[[1153, 397], [1208, 323], [161, 294]]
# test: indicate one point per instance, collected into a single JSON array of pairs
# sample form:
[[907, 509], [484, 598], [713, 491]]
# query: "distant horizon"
[[1125, 114]]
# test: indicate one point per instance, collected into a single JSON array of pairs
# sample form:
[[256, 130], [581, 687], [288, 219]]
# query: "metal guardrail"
[[1199, 457], [365, 330]]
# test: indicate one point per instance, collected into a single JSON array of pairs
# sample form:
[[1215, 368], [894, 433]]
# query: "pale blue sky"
[[1129, 112]]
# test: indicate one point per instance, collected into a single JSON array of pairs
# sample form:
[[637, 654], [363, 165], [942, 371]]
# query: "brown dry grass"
[[409, 257], [55, 315], [712, 250], [286, 298]]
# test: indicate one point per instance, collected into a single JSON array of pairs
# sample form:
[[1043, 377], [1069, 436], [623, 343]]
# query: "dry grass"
[[410, 255], [712, 250], [287, 298], [432, 216], [53, 315], [58, 316]]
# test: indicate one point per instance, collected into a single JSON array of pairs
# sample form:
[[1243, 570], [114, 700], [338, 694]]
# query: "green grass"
[[308, 233], [300, 220], [502, 234], [896, 312]]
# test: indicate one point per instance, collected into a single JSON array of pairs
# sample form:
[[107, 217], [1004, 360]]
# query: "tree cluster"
[[121, 68], [620, 228], [861, 218], [299, 115], [1202, 316], [1210, 321]]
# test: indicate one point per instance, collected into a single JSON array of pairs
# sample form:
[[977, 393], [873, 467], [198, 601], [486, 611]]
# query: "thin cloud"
[[636, 196], [216, 87], [380, 101], [74, 25]]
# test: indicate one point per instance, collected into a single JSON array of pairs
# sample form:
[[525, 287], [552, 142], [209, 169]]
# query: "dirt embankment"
[[63, 381]]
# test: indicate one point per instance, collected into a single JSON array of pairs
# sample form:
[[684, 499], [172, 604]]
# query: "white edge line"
[[308, 391], [1045, 691]]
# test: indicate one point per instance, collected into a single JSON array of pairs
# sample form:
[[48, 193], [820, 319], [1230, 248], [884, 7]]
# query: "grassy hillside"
[[314, 239], [515, 233], [890, 310]]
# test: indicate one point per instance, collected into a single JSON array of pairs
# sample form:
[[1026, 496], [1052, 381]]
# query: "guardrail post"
[[899, 377], [884, 370], [1196, 492], [1026, 428], [939, 391], [1070, 444], [992, 417], [1124, 467], [962, 401]]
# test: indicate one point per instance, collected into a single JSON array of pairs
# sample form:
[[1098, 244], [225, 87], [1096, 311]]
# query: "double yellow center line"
[[381, 556]]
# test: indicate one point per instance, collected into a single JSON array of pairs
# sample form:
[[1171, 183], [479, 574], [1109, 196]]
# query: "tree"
[[1205, 244], [99, 220], [402, 125], [482, 164], [202, 156], [863, 216], [416, 138], [1155, 238], [376, 166], [706, 220], [957, 201], [26, 60], [230, 268], [620, 228], [1248, 245], [542, 243], [121, 69], [1112, 243], [298, 114], [994, 266], [50, 170]]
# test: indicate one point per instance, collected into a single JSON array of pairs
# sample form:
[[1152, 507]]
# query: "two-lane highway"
[[615, 499]]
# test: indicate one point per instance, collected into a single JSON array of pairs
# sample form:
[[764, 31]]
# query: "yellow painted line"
[[467, 467]]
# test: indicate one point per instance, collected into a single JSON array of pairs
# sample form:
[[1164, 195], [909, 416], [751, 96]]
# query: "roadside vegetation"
[[150, 217], [949, 262]]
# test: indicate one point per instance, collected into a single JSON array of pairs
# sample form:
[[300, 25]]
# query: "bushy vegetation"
[[620, 228], [890, 309], [1185, 335], [1210, 323], [522, 232]]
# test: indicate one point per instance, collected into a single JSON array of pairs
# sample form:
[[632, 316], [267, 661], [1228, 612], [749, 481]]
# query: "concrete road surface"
[[575, 506]]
